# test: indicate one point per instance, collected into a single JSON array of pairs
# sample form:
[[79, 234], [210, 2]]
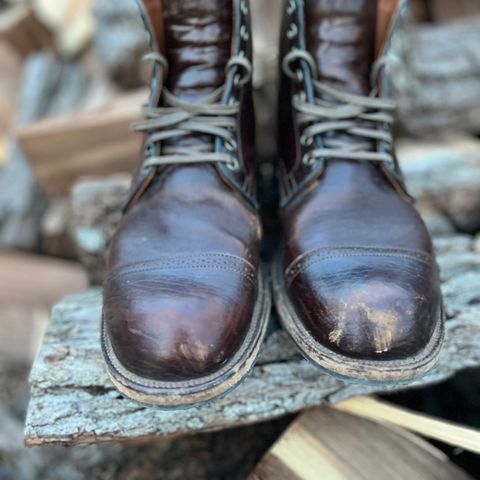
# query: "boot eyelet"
[[292, 31], [148, 151], [306, 140], [230, 145], [244, 75], [244, 7], [244, 33], [292, 7], [297, 55], [308, 160], [241, 81], [287, 63], [233, 165]]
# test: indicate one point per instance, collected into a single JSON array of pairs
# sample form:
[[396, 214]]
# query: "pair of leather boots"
[[186, 303]]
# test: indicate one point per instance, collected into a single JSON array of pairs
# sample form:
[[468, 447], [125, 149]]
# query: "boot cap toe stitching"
[[216, 261], [302, 262]]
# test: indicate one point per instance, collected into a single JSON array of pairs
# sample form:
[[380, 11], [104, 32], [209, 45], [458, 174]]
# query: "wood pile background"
[[71, 82]]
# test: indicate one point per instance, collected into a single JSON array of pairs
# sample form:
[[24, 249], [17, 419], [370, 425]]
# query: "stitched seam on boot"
[[218, 262], [299, 265]]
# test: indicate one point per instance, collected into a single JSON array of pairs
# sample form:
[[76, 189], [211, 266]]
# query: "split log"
[[29, 286], [73, 401], [36, 280], [324, 443], [70, 21], [436, 76], [21, 205], [49, 87], [460, 436], [21, 28], [90, 143]]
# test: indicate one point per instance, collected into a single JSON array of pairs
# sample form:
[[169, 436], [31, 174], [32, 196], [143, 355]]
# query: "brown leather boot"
[[357, 285], [185, 307]]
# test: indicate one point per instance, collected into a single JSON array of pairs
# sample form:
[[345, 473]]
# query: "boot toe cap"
[[177, 324], [368, 304]]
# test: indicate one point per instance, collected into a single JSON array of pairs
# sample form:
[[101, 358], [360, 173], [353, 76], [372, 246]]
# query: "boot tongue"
[[341, 35], [198, 38]]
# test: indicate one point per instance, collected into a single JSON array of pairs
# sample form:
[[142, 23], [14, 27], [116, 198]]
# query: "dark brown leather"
[[341, 37], [199, 38], [183, 264], [358, 260]]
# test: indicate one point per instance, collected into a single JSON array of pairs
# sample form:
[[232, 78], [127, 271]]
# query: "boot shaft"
[[330, 52], [341, 37], [196, 39], [202, 50]]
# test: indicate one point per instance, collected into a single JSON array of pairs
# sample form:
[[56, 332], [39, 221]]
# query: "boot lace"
[[368, 118], [176, 118]]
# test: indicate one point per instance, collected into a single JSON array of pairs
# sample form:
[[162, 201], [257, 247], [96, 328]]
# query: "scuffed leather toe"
[[368, 304], [179, 318]]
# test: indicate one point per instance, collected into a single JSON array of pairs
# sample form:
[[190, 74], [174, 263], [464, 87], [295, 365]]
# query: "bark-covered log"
[[73, 401]]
